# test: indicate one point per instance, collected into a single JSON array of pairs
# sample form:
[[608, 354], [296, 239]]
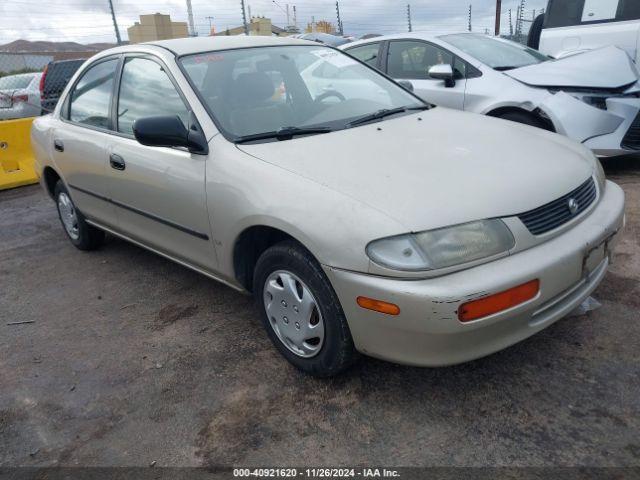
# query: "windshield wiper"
[[284, 133], [505, 68], [385, 112]]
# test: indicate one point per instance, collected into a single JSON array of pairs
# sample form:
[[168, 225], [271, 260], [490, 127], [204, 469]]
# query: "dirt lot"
[[132, 359]]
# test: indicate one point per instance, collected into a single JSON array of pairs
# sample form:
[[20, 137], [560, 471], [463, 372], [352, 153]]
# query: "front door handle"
[[58, 145], [117, 162]]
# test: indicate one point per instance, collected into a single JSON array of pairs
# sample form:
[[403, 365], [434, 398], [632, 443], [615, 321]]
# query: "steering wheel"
[[329, 94]]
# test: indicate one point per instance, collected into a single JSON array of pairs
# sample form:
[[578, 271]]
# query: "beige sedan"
[[358, 217]]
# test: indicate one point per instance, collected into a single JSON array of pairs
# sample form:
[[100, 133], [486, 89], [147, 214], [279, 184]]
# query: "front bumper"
[[602, 131], [427, 331]]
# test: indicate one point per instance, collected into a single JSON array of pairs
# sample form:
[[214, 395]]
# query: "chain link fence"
[[31, 84]]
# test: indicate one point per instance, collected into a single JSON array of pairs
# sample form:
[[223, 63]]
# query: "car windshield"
[[497, 54], [16, 82], [254, 91]]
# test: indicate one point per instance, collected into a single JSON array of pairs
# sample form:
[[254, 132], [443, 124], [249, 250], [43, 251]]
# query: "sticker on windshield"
[[336, 59], [208, 58]]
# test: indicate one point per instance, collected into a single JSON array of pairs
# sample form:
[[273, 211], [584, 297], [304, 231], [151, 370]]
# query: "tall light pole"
[[192, 26], [409, 17], [115, 24], [498, 16]]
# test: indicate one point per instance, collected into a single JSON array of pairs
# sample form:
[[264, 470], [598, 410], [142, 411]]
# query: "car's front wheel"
[[80, 233], [301, 312]]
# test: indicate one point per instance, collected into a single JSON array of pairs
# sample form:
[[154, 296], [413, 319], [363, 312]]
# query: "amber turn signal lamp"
[[378, 306], [500, 301]]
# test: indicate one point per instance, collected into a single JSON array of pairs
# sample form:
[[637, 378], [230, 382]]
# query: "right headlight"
[[442, 248]]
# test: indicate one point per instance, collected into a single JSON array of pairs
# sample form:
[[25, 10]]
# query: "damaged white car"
[[592, 97]]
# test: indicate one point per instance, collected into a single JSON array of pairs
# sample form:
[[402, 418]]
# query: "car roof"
[[408, 35], [185, 46]]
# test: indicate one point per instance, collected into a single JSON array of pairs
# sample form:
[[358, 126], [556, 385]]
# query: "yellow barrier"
[[16, 156]]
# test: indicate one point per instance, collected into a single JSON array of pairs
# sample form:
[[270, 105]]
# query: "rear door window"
[[567, 13], [91, 97]]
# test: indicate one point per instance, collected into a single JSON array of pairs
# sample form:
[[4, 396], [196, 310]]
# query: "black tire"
[[88, 236], [525, 118], [337, 352], [533, 41]]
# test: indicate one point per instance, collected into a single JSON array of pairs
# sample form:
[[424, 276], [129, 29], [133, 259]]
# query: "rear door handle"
[[117, 162], [58, 145]]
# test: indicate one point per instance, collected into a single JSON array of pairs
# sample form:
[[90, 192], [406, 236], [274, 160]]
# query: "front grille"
[[631, 140], [557, 213]]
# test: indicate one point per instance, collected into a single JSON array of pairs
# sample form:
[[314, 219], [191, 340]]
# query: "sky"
[[88, 21]]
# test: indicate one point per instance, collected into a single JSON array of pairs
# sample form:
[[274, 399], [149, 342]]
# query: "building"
[[260, 26], [156, 27], [321, 27]]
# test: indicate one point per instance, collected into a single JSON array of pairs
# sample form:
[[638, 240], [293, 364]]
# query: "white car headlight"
[[442, 248]]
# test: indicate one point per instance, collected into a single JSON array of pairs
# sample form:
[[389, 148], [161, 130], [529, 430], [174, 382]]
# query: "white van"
[[573, 26]]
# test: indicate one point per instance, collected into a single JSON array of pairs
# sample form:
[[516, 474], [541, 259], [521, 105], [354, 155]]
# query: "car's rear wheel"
[[301, 312], [80, 233]]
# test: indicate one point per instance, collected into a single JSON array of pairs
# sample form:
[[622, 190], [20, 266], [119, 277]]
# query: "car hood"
[[437, 168], [608, 67]]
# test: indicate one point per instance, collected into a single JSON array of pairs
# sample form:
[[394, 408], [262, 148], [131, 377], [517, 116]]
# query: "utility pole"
[[210, 24], [340, 29], [409, 17], [288, 17], [470, 17], [295, 18], [115, 24], [192, 27], [498, 16], [244, 18], [510, 25]]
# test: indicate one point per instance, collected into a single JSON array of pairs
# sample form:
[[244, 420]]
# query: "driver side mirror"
[[443, 72], [169, 131]]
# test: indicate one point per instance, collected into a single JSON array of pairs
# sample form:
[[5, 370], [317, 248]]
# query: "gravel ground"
[[132, 359]]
